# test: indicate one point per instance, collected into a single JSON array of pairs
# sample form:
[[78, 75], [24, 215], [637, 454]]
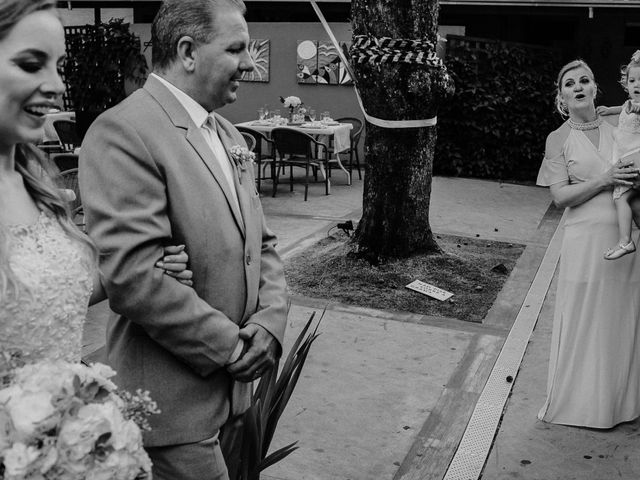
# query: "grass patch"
[[467, 269]]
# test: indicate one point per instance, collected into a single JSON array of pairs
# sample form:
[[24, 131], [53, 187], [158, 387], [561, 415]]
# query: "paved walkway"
[[387, 395]]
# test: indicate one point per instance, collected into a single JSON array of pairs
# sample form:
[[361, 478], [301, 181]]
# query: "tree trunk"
[[397, 189]]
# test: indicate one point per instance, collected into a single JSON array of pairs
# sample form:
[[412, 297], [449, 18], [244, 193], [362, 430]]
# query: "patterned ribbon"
[[427, 122], [395, 50]]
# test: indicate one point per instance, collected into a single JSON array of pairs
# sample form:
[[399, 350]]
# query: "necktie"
[[213, 140]]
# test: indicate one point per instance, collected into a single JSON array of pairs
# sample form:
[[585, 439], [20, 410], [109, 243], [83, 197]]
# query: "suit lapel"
[[241, 189], [181, 120]]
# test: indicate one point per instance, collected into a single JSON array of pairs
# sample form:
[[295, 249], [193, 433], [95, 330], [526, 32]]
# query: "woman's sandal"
[[620, 251]]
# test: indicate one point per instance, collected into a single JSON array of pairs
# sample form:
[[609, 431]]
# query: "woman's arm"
[[174, 264], [567, 194]]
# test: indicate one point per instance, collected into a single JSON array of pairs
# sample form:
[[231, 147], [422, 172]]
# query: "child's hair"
[[624, 71], [578, 63]]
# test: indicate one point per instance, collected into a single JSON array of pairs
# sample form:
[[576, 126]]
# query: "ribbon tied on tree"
[[379, 51]]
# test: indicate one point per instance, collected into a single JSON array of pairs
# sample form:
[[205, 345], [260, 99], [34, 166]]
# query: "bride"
[[48, 268]]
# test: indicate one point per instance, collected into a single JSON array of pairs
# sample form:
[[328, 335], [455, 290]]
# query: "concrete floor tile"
[[366, 390]]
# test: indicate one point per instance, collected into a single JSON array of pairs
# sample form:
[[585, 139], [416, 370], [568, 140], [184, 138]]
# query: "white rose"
[[30, 412], [55, 378], [18, 459], [78, 435]]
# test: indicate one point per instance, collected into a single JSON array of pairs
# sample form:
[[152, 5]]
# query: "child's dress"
[[627, 141]]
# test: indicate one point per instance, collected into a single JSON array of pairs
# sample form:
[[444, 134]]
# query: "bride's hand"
[[174, 264]]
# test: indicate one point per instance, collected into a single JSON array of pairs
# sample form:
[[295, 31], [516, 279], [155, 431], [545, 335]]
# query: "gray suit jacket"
[[148, 179]]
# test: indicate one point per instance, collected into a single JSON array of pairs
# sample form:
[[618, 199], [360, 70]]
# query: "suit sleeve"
[[272, 298], [125, 203]]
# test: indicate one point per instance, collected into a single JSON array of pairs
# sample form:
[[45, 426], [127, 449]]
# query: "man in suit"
[[157, 170]]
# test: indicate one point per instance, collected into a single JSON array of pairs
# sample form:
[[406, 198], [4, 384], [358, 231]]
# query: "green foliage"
[[268, 403], [99, 59], [496, 123]]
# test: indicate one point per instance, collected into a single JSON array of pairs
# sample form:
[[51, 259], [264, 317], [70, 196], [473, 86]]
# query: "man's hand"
[[260, 354]]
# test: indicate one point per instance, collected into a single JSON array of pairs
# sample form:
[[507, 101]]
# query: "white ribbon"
[[428, 122]]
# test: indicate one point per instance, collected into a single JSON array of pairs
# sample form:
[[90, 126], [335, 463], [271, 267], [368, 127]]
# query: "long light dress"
[[44, 322], [594, 368]]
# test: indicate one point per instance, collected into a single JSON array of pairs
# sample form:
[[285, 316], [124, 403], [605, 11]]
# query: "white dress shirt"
[[207, 123]]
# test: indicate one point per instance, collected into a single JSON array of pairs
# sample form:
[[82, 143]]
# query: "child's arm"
[[633, 107], [604, 111]]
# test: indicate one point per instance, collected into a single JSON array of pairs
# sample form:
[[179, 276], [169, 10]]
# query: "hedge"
[[496, 123]]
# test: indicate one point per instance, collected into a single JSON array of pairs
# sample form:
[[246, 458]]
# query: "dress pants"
[[191, 461]]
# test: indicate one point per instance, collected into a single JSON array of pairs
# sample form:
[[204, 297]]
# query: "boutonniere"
[[241, 156]]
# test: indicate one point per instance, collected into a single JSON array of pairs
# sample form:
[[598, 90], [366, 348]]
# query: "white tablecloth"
[[340, 132]]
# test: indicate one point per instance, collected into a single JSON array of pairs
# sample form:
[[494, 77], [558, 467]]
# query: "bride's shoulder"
[[556, 140]]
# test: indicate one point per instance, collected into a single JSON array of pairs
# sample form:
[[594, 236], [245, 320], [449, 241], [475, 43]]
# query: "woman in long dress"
[[48, 272], [594, 368]]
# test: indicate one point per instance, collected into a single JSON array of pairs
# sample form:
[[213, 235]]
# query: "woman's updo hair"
[[560, 105], [624, 71]]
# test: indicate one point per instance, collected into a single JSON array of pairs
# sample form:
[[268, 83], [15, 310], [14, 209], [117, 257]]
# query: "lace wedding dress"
[[44, 321]]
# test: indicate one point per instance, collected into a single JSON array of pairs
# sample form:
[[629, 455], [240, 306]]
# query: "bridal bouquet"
[[66, 421]]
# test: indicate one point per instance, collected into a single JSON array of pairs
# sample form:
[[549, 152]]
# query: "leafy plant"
[[268, 403], [503, 108], [99, 60]]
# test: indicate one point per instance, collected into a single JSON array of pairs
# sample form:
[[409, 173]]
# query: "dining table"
[[324, 130]]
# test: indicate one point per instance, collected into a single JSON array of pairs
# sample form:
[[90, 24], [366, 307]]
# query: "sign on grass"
[[428, 289]]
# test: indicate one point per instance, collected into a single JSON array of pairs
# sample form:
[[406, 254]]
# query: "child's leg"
[[624, 213], [623, 210]]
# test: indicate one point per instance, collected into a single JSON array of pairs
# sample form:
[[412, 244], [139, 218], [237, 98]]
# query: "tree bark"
[[397, 189]]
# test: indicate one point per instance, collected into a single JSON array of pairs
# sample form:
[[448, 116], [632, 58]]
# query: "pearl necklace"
[[586, 126]]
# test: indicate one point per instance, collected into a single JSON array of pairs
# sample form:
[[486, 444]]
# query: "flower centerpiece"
[[61, 420], [294, 106]]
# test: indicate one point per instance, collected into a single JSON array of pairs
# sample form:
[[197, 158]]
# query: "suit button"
[[248, 258]]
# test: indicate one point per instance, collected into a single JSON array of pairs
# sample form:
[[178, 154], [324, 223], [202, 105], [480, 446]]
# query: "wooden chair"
[[68, 180], [297, 149], [66, 130], [264, 150], [354, 140]]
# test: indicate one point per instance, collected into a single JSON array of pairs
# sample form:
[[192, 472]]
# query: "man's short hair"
[[179, 18]]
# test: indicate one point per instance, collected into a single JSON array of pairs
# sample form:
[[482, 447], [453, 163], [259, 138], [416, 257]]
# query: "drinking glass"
[[324, 117], [261, 114], [312, 115], [276, 114]]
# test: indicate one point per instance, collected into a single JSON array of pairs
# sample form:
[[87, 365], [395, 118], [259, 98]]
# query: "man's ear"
[[186, 49]]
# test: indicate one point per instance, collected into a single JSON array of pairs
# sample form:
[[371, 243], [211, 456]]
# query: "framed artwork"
[[307, 61], [318, 62], [260, 50]]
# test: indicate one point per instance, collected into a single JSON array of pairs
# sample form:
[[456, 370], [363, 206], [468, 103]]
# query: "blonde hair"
[[624, 71], [578, 63], [29, 164]]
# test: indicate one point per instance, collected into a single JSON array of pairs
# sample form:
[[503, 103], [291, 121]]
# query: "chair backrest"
[[292, 142], [259, 139], [251, 141], [356, 131], [69, 180], [66, 161], [66, 130]]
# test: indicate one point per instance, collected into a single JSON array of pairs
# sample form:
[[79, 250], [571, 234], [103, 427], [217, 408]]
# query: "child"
[[627, 146]]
